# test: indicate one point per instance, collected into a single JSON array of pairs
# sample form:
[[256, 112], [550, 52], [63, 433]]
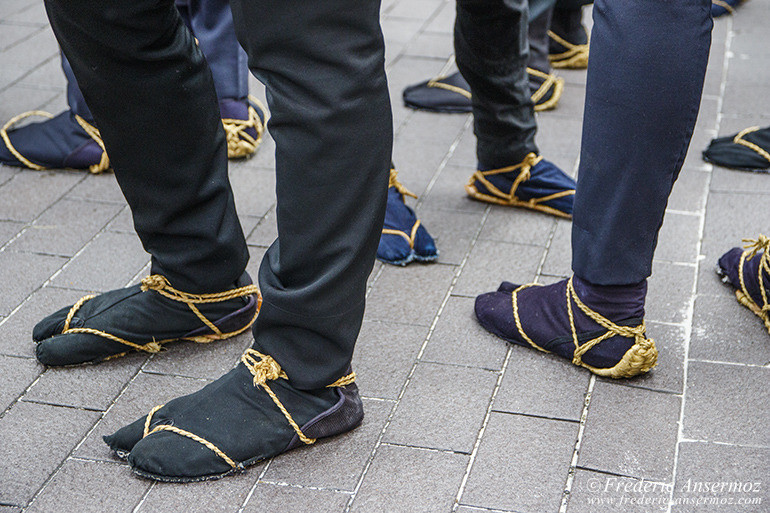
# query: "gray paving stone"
[[16, 330], [36, 438], [336, 463], [27, 195], [405, 479], [630, 432], [726, 331], [730, 180], [444, 20], [447, 192], [23, 274], [458, 338], [543, 385], [558, 137], [443, 408], [91, 486], [102, 187], [289, 499], [491, 263], [108, 262], [521, 464], [558, 262], [266, 230], [254, 189], [9, 509], [8, 230], [16, 374], [740, 468], [141, 395], [419, 9], [689, 192], [678, 238], [194, 360], [65, 227], [399, 30], [89, 386], [668, 374], [452, 232], [431, 44], [517, 225], [384, 355], [123, 222], [593, 492], [727, 403], [417, 160], [465, 153], [224, 495], [669, 292], [410, 295]]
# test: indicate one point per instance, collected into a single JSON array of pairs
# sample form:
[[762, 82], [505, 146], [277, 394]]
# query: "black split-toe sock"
[[250, 414], [143, 318], [600, 328], [748, 272]]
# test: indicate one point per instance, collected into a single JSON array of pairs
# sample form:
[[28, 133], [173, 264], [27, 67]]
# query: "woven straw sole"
[[474, 193]]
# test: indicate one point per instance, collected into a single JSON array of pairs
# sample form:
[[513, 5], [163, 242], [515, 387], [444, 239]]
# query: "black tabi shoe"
[[748, 272]]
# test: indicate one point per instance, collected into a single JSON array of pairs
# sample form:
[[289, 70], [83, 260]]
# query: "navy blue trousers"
[[152, 96], [645, 79], [211, 22]]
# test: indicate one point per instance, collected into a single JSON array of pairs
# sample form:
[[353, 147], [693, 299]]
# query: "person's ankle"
[[615, 302]]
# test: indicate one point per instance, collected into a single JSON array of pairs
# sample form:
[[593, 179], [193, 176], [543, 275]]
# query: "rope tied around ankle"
[[752, 247], [264, 368], [239, 142], [161, 285], [739, 139], [576, 56], [93, 133], [393, 182]]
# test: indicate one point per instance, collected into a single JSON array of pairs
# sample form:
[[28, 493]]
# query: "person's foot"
[[245, 124], [404, 238], [452, 94], [600, 328], [251, 413], [142, 318], [748, 150], [534, 183], [568, 47], [722, 7], [748, 272], [62, 141]]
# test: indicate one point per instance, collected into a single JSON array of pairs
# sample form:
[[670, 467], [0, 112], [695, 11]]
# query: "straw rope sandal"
[[722, 7], [529, 315], [404, 238], [250, 414], [84, 145], [534, 183], [450, 93], [564, 54], [244, 132], [143, 318], [748, 150], [748, 272]]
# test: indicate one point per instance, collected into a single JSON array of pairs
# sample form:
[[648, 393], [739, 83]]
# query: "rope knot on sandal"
[[263, 367]]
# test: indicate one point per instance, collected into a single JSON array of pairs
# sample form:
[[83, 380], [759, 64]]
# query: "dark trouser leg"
[[538, 42], [492, 51], [641, 105], [211, 22], [75, 98], [152, 96], [322, 64]]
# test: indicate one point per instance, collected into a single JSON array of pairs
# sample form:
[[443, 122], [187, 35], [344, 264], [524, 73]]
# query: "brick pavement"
[[456, 419]]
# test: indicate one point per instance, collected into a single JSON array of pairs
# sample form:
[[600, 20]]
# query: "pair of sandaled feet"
[[254, 412], [602, 327], [534, 183], [69, 141]]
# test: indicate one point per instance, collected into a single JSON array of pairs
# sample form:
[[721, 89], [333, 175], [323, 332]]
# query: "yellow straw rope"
[[738, 139], [264, 368], [753, 246], [576, 56], [509, 198], [727, 7], [161, 285], [640, 358], [104, 163], [239, 143], [393, 182]]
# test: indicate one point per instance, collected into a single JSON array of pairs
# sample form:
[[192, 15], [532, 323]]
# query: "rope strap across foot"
[[393, 182], [509, 198], [727, 7], [739, 139], [264, 368], [641, 357], [754, 246], [239, 142], [93, 133], [161, 285], [576, 56]]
